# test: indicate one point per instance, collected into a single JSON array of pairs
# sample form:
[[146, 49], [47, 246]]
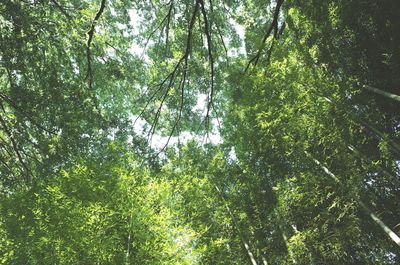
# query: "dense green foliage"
[[199, 132]]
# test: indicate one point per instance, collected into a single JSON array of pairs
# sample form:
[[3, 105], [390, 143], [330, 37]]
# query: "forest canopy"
[[199, 132]]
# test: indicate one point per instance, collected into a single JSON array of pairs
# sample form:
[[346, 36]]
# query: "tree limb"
[[273, 26], [89, 74], [181, 67], [211, 60]]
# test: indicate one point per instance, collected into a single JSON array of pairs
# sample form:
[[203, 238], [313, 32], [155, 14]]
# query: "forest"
[[199, 132]]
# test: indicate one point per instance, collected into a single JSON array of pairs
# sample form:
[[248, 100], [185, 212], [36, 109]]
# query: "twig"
[[273, 26], [61, 9], [15, 146], [89, 74], [182, 63], [211, 59], [171, 6]]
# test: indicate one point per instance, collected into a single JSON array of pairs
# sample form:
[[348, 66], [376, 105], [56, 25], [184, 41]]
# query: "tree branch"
[[273, 26], [211, 60], [14, 146], [89, 74], [181, 67]]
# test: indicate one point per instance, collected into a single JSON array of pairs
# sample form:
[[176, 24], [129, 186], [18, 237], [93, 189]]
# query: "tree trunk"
[[385, 228], [383, 93]]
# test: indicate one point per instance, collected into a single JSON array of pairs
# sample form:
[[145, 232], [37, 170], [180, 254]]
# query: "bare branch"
[[211, 60], [181, 67], [89, 74], [273, 26], [167, 19], [171, 6], [181, 85], [152, 33], [223, 42]]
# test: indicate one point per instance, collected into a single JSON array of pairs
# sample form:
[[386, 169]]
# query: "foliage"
[[199, 132]]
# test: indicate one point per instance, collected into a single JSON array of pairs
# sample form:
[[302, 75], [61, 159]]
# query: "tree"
[[109, 111]]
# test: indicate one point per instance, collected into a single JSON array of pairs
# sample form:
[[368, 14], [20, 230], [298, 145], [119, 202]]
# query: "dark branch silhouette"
[[181, 68], [89, 74], [273, 26], [211, 61]]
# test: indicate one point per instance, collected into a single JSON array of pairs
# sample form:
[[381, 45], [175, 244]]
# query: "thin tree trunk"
[[394, 146], [128, 244], [242, 239], [383, 93], [394, 179], [385, 228]]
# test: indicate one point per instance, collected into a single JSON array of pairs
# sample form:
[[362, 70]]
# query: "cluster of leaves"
[[93, 213], [307, 168]]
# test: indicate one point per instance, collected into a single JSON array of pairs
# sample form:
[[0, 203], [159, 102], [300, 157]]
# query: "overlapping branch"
[[165, 23], [89, 74], [211, 61], [272, 27], [179, 76], [182, 63]]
